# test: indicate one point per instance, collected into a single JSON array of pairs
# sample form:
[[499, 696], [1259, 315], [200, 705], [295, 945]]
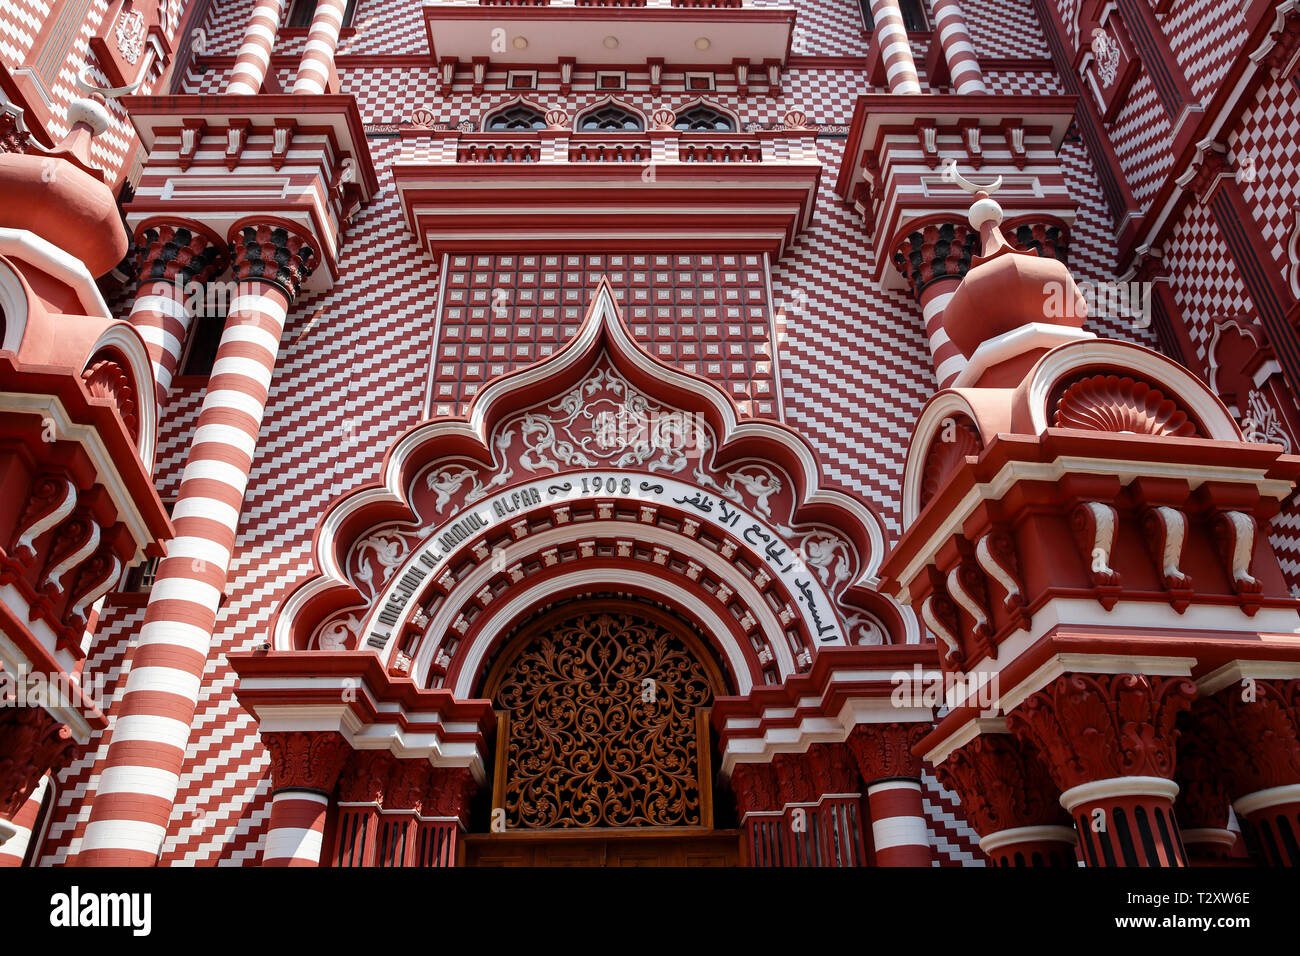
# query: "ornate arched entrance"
[[602, 746]]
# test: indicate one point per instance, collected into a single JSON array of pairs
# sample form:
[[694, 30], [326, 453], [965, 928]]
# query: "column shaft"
[[317, 63], [295, 832], [14, 849], [958, 50], [128, 819], [895, 52], [898, 828], [254, 56]]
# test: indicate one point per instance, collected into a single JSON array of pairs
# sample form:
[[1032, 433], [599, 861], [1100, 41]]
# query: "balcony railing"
[[565, 146]]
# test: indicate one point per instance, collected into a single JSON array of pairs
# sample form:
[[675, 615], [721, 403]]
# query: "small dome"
[[1006, 289], [62, 198]]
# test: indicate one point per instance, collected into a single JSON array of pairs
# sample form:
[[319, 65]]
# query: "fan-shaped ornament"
[[947, 453], [1111, 403]]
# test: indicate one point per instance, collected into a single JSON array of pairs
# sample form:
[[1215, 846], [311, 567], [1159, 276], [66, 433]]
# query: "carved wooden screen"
[[604, 722]]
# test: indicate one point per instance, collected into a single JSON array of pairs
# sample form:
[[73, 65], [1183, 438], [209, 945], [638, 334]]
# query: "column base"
[[1031, 846], [1273, 816], [1127, 821]]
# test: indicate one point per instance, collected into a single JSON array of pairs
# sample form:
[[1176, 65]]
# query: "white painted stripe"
[[123, 835], [288, 843], [164, 680], [164, 730], [899, 831]]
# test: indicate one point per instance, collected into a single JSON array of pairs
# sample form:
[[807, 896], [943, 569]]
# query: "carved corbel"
[[940, 616], [567, 63], [52, 499], [970, 137], [478, 67], [236, 139], [996, 554], [447, 74], [655, 68], [927, 134], [1094, 525], [967, 588], [1165, 532], [1015, 134], [192, 131], [78, 538], [1234, 533], [281, 139]]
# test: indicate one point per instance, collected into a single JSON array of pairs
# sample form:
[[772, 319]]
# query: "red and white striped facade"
[[416, 291]]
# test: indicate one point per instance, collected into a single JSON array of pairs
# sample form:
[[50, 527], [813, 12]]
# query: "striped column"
[[254, 56], [174, 263], [958, 50], [317, 63], [893, 775], [142, 769], [934, 258], [296, 830], [19, 827], [895, 51], [304, 769], [898, 828]]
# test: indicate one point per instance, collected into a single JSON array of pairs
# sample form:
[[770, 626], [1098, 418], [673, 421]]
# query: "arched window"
[[611, 118], [704, 118], [913, 12], [518, 116]]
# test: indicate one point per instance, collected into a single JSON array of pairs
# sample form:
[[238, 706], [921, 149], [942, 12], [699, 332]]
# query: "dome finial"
[[985, 213]]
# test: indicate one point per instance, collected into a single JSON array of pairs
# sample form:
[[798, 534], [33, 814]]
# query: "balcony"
[[560, 189]]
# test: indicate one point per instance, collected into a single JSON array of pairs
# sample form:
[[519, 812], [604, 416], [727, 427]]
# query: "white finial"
[[951, 174], [91, 109]]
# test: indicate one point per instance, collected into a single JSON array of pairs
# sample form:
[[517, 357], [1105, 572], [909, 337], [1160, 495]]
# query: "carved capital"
[[410, 786], [937, 251], [273, 254], [304, 760], [885, 750], [178, 254], [1203, 792], [794, 779], [451, 789], [1096, 726], [1254, 727], [32, 744], [1048, 237], [1002, 784], [755, 787], [365, 776], [833, 769]]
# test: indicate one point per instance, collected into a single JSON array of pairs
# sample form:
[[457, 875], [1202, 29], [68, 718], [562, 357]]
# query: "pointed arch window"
[[611, 118], [702, 118], [516, 117]]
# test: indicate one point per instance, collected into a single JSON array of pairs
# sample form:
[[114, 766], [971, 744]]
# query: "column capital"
[[32, 744], [274, 254], [885, 750], [937, 250], [1090, 727], [178, 253], [305, 760], [364, 778], [1209, 167], [794, 779], [452, 788], [1003, 785], [1254, 730], [410, 786], [755, 788], [833, 769]]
